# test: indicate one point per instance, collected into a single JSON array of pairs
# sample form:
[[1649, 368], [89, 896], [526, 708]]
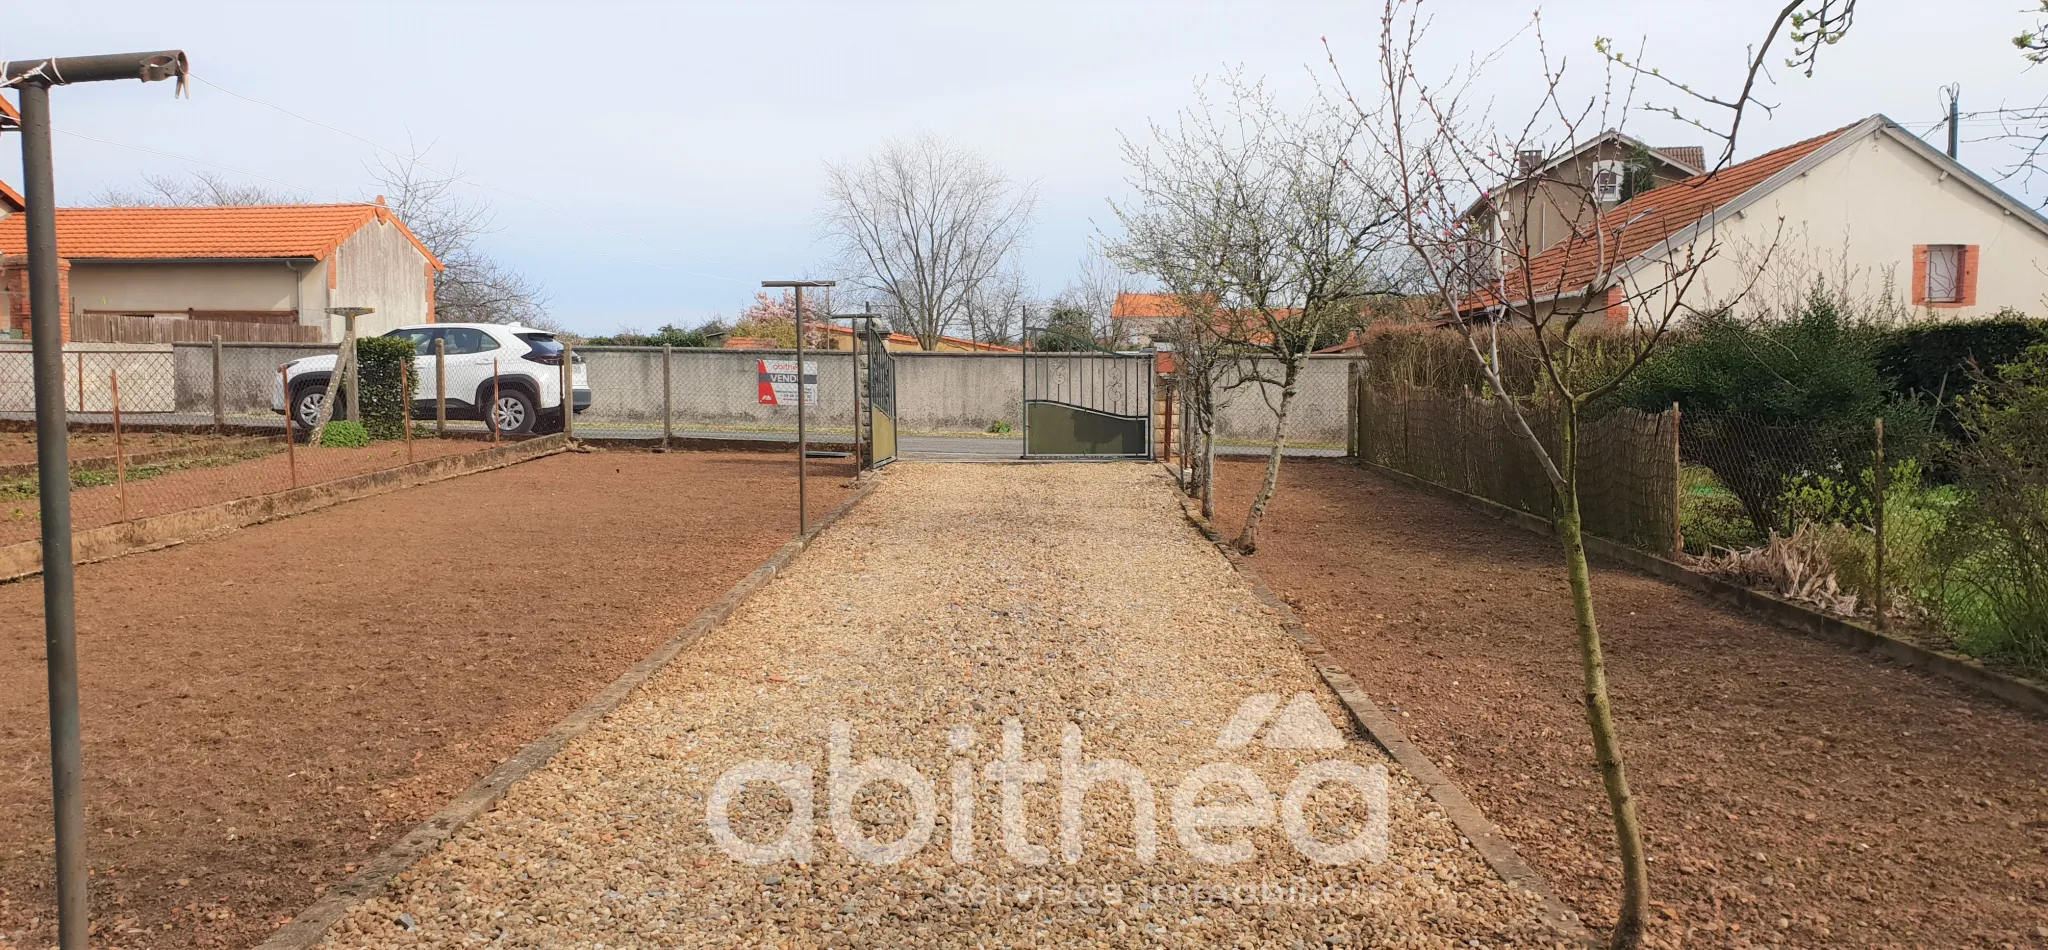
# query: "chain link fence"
[[154, 430], [1628, 460], [1843, 517]]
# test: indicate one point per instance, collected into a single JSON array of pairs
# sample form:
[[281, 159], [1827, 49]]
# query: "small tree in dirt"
[[1438, 156], [1267, 215]]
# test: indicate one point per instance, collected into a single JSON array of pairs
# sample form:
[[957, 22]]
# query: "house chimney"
[[1528, 160]]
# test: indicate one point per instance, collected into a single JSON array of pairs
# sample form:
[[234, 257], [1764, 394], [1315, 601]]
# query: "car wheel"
[[513, 412], [306, 405]]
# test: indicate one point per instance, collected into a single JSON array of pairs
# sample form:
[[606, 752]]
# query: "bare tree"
[[1492, 283], [195, 188], [1268, 211], [998, 308], [473, 287], [925, 223], [1096, 285]]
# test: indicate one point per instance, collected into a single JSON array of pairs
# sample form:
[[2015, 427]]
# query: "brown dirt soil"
[[190, 485], [1795, 793], [265, 710], [18, 447]]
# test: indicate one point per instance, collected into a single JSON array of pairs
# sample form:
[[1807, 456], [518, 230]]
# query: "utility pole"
[[1955, 117], [803, 514], [53, 452]]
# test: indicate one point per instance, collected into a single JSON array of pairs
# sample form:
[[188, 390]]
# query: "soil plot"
[[1793, 792], [264, 710]]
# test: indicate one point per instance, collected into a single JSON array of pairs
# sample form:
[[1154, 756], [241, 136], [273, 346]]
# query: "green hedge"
[[381, 362], [1933, 360]]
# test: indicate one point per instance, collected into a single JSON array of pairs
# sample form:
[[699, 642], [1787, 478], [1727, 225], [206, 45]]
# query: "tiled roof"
[[234, 232], [1144, 306], [906, 339], [749, 343], [1691, 156], [1638, 225], [11, 200], [10, 117]]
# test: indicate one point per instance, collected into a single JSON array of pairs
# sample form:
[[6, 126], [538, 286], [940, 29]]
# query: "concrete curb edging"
[[1493, 847], [310, 926], [25, 558], [2027, 695]]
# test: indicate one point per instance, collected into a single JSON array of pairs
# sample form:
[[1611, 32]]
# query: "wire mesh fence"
[[1628, 465], [1836, 516], [154, 430]]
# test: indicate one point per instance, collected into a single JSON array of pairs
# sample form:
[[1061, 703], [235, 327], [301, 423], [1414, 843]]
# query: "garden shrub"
[[380, 362], [1993, 549], [1767, 403], [344, 434]]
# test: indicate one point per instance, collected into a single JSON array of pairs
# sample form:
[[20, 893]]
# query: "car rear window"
[[542, 343]]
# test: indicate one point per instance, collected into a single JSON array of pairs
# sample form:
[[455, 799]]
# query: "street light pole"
[[53, 455], [803, 513]]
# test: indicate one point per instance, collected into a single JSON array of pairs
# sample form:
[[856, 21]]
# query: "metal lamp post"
[[34, 78], [803, 514]]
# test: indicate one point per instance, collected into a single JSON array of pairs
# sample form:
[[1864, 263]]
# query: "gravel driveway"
[[1065, 611]]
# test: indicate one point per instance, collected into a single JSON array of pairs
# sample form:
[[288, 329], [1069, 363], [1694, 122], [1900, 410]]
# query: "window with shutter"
[[1944, 273]]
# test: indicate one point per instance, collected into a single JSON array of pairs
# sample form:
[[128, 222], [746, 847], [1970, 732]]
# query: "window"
[[1607, 178], [1944, 274], [422, 339], [468, 340]]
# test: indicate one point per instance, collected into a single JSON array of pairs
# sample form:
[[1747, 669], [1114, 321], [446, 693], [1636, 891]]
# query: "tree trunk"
[[343, 357], [1208, 456], [1248, 539], [1621, 805]]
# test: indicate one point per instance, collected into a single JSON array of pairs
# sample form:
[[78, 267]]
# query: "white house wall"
[[1854, 219], [378, 267]]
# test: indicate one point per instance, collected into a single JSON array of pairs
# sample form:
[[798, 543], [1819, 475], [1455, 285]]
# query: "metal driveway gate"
[[881, 397], [1087, 405]]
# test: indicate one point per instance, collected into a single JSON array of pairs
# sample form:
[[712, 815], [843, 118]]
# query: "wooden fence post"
[[220, 411], [1351, 408], [405, 403], [1677, 488], [569, 391], [1880, 594], [120, 449], [440, 388], [492, 415], [291, 455]]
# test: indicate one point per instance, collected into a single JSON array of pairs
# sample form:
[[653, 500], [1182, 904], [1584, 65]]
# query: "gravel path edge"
[[1493, 847], [310, 926], [2023, 694]]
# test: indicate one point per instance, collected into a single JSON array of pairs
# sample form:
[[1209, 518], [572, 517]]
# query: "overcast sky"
[[652, 163]]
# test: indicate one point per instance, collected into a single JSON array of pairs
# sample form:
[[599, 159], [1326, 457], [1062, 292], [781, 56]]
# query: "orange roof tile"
[[907, 339], [10, 117], [1145, 306], [11, 200], [232, 232], [749, 343], [1638, 226]]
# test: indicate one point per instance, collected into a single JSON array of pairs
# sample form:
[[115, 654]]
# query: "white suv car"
[[525, 363]]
